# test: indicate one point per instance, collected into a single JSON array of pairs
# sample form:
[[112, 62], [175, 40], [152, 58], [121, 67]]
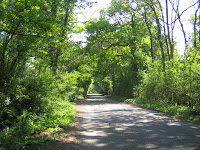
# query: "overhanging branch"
[[115, 44]]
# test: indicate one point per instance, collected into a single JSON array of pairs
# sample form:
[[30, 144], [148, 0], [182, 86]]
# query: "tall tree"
[[168, 31], [152, 5]]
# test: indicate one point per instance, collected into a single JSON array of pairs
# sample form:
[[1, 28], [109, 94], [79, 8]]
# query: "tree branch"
[[17, 33], [115, 44], [181, 12]]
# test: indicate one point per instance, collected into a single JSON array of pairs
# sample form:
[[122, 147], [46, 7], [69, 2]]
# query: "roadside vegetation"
[[134, 49], [42, 71]]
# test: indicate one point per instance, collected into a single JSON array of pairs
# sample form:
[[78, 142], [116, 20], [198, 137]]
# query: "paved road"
[[111, 125]]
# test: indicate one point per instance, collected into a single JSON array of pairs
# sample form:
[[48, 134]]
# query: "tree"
[[151, 4], [18, 35], [33, 39], [121, 38]]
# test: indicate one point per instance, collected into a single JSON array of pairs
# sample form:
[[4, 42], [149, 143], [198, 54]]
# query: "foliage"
[[47, 106], [18, 135], [178, 86], [134, 55], [40, 74]]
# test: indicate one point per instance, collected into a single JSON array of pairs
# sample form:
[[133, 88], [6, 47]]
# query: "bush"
[[36, 103], [178, 85], [14, 138]]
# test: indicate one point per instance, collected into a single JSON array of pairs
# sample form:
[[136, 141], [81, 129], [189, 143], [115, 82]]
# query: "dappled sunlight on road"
[[109, 124]]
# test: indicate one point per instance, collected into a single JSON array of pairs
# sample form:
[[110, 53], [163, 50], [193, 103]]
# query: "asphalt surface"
[[106, 124]]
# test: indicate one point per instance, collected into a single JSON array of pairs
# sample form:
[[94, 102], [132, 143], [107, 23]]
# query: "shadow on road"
[[108, 124]]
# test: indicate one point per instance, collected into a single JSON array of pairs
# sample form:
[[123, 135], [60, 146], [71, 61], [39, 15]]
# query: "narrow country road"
[[111, 125]]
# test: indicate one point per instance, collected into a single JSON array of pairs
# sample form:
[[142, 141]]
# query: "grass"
[[183, 112]]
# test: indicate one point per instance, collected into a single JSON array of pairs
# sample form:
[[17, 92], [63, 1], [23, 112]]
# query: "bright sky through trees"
[[93, 12]]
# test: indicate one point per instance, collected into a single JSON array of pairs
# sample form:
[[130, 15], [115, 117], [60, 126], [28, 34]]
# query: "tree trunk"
[[159, 36], [199, 21], [195, 32], [166, 39], [150, 33], [181, 24], [168, 31]]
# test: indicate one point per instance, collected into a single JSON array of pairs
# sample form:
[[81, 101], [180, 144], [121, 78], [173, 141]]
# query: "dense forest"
[[130, 52]]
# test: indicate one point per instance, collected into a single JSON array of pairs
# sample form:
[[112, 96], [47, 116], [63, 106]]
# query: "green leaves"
[[98, 26], [33, 42]]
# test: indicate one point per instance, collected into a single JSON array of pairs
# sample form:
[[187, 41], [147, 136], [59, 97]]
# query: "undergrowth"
[[59, 114], [36, 104], [183, 112]]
